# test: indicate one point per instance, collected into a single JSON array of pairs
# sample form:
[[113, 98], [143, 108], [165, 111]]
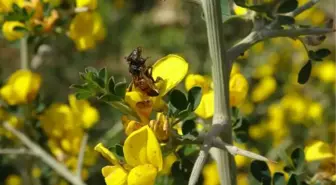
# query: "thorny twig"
[[44, 156]]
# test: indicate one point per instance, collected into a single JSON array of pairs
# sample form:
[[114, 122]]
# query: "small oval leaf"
[[178, 100], [298, 158], [288, 6], [279, 178], [195, 96], [322, 53], [260, 172], [188, 127], [305, 72], [120, 89], [293, 180]]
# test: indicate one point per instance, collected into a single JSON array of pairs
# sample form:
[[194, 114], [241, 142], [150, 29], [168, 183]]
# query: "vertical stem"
[[24, 64], [81, 155], [220, 74]]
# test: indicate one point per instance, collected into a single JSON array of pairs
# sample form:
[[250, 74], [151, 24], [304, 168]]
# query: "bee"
[[141, 74]]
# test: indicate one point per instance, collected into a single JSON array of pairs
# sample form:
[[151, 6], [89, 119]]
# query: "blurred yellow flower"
[[265, 88], [263, 70], [91, 4], [318, 150], [238, 89], [326, 71], [315, 111], [171, 69], [86, 29], [239, 10], [21, 87], [143, 158], [84, 112], [13, 180], [10, 32], [210, 174], [6, 5], [10, 119]]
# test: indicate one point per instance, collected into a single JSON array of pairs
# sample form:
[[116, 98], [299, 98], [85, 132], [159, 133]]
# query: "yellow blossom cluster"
[[65, 125], [87, 27], [13, 30]]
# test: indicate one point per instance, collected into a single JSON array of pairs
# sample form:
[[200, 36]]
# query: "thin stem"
[[81, 155], [16, 151], [24, 61], [303, 8], [45, 157]]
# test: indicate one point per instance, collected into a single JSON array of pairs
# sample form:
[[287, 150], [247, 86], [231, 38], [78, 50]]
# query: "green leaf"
[[305, 72], [91, 69], [119, 150], [194, 97], [38, 28], [83, 95], [293, 180], [241, 132], [110, 85], [188, 127], [260, 172], [298, 158], [322, 53], [288, 6], [20, 29], [103, 74], [285, 20], [110, 98], [313, 56], [279, 178], [178, 100], [16, 8], [120, 89]]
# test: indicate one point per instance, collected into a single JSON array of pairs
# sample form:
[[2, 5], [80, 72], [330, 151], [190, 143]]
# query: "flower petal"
[[193, 80], [172, 69], [318, 151], [107, 154], [154, 154], [114, 175], [142, 175], [135, 147], [206, 107]]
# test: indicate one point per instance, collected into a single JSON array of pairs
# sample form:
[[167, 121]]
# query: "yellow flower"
[[167, 163], [84, 112], [12, 120], [210, 174], [171, 69], [131, 125], [21, 88], [13, 180], [57, 119], [206, 107], [143, 159], [318, 151], [86, 29], [315, 111], [326, 71], [9, 32], [6, 5], [238, 91], [239, 10], [264, 89], [91, 4]]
